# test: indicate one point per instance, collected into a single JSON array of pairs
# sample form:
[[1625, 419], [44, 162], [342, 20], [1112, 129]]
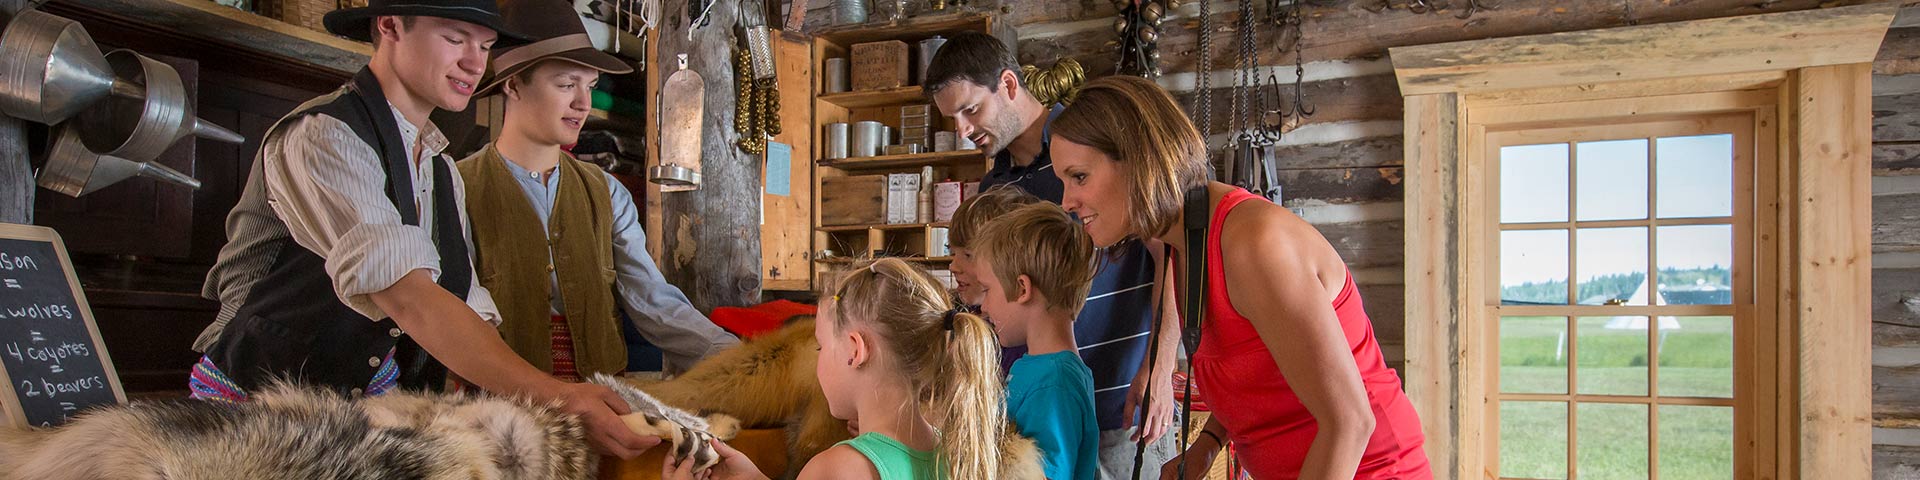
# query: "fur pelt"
[[290, 431]]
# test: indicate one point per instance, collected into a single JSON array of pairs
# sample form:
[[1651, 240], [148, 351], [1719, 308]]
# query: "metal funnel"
[[51, 69], [141, 128], [73, 170]]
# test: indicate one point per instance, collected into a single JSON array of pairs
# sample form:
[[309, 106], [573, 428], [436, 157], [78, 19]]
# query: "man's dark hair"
[[971, 56], [406, 22]]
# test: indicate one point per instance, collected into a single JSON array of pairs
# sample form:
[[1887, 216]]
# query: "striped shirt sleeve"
[[329, 188]]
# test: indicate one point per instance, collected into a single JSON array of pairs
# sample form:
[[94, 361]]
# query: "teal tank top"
[[894, 460]]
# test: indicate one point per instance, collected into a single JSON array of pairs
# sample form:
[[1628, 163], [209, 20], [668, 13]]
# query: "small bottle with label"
[[926, 195]]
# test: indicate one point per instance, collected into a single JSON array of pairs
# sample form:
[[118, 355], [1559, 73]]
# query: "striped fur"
[[290, 431]]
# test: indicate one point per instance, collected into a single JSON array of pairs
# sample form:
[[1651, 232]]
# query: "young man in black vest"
[[347, 262]]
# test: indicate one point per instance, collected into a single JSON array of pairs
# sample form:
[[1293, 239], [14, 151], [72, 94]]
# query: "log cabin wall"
[[1342, 169]]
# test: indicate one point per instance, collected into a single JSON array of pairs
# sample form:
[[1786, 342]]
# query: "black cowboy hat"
[[555, 33], [356, 23]]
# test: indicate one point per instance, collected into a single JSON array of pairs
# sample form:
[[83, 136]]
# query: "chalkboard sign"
[[56, 365]]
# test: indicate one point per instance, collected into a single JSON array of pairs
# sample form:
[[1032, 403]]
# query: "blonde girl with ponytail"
[[920, 378]]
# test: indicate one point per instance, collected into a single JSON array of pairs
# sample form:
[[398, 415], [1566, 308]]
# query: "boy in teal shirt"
[[1038, 266]]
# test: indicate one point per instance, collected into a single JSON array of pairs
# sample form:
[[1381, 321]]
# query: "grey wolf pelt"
[[769, 382], [289, 431]]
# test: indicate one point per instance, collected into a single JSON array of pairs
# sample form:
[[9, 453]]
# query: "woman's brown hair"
[[1134, 122], [951, 359]]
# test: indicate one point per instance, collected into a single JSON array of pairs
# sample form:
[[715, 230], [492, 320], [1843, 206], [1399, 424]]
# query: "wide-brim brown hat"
[[357, 23], [557, 34]]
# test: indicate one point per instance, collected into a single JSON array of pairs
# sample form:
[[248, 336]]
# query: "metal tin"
[[850, 12], [927, 48], [836, 76], [943, 141], [836, 140], [866, 139]]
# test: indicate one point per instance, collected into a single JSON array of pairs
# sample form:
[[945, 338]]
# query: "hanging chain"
[[1203, 79], [1301, 110], [1247, 60]]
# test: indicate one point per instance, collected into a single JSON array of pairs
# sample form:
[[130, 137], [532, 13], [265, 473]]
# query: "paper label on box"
[[946, 199]]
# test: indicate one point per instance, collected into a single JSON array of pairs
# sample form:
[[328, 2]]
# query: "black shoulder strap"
[[1198, 215]]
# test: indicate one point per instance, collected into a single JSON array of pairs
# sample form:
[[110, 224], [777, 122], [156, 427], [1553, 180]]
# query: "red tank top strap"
[[1227, 202]]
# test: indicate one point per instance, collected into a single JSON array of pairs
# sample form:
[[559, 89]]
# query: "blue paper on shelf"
[[779, 169]]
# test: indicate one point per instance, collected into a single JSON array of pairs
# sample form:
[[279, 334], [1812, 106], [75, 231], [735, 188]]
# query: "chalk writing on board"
[[55, 368], [17, 262]]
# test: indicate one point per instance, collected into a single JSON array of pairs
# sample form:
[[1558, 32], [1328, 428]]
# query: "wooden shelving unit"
[[950, 159], [875, 98], [229, 26], [911, 242]]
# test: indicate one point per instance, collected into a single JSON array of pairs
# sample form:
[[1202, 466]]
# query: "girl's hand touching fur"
[[733, 466]]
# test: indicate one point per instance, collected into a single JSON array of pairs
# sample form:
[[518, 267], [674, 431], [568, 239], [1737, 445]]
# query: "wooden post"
[[711, 236], [16, 173], [1436, 284], [1833, 150]]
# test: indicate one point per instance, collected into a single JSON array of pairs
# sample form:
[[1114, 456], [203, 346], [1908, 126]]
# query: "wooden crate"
[[854, 200], [879, 65]]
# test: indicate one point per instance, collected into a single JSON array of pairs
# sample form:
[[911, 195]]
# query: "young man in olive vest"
[[347, 263], [556, 239]]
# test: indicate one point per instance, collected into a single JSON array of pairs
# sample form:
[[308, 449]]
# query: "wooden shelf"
[[900, 226], [243, 30], [907, 160], [877, 98], [918, 27]]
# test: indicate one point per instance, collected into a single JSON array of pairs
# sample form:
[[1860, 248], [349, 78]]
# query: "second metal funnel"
[[73, 170], [140, 128]]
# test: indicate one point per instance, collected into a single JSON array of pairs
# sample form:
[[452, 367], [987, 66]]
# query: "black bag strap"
[[1199, 213]]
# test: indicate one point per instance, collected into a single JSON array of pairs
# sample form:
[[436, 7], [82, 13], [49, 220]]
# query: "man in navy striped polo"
[[975, 80]]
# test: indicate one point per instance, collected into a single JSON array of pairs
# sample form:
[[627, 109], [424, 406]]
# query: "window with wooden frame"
[[1621, 292], [1642, 252]]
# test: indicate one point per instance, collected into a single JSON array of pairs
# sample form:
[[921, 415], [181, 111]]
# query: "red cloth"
[[1269, 426], [749, 322], [563, 351]]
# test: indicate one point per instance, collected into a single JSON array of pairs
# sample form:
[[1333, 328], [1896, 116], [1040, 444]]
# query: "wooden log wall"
[[1342, 170], [1896, 250]]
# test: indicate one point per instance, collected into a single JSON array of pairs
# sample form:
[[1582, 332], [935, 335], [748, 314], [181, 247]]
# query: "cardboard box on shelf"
[[880, 65]]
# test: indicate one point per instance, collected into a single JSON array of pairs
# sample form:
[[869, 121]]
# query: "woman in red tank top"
[[1287, 357]]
